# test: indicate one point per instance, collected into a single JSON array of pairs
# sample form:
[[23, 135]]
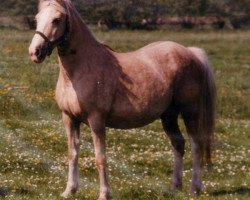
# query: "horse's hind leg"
[[170, 125], [192, 126]]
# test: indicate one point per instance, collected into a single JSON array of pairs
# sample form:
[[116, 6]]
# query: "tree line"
[[146, 13]]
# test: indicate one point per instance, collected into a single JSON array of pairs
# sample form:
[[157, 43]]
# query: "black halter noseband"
[[50, 45]]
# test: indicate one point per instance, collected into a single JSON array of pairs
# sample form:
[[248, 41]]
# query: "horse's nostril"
[[37, 52]]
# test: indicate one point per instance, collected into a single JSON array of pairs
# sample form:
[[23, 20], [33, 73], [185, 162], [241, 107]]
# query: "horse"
[[103, 88]]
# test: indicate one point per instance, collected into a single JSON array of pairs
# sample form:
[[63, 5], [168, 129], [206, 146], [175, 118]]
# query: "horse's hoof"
[[65, 194], [106, 196], [196, 188], [176, 187], [68, 193]]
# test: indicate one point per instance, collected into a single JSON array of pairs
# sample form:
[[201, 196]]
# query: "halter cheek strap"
[[50, 45]]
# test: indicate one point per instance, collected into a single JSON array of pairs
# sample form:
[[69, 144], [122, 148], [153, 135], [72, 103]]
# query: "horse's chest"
[[68, 101]]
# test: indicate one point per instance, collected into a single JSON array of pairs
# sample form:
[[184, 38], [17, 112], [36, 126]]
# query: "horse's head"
[[51, 29]]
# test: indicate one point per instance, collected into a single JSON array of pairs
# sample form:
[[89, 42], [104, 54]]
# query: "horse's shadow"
[[238, 191], [5, 191]]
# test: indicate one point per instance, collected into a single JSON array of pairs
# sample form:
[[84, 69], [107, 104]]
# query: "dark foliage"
[[136, 14]]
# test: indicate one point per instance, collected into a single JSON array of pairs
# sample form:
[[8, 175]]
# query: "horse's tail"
[[207, 107]]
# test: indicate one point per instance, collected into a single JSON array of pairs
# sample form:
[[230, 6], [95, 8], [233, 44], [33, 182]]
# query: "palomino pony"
[[103, 88]]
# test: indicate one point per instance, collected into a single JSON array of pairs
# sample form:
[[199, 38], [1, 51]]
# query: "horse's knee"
[[100, 161], [72, 154]]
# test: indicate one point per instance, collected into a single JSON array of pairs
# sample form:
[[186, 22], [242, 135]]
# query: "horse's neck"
[[82, 48], [81, 35]]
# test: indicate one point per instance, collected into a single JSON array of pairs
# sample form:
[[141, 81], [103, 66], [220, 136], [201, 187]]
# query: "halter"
[[50, 45]]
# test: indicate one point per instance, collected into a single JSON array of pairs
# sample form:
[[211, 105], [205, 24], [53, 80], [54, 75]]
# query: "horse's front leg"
[[97, 127], [72, 127]]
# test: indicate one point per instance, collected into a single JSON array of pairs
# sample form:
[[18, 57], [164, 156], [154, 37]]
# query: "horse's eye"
[[56, 21]]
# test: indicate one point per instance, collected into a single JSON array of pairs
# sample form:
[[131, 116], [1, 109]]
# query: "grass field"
[[33, 152]]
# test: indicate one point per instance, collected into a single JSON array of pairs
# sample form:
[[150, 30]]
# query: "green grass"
[[33, 150]]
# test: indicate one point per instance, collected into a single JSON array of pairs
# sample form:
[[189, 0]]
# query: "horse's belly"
[[125, 123], [128, 114]]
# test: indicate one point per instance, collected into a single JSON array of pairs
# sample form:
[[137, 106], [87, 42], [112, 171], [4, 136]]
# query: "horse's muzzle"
[[38, 54]]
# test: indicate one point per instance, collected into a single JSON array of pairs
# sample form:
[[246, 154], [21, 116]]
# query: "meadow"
[[33, 149]]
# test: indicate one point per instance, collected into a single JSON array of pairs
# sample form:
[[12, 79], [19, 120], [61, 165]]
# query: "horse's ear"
[[71, 15], [60, 1], [41, 3], [69, 8]]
